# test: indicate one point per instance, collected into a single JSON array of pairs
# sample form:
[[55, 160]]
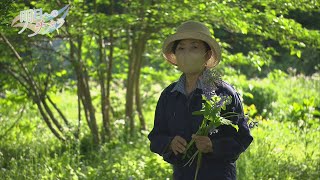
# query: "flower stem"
[[198, 165], [192, 158]]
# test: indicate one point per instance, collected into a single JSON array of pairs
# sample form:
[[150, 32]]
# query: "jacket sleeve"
[[159, 135], [228, 143]]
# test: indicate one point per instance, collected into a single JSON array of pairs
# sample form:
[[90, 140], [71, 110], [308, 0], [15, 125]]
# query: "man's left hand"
[[203, 143]]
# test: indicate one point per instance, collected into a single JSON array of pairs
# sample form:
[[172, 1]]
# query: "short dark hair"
[[176, 42]]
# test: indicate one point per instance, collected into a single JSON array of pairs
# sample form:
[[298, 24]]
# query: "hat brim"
[[168, 45]]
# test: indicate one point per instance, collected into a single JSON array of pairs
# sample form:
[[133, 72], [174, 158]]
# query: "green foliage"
[[46, 159], [281, 150], [260, 94], [280, 96]]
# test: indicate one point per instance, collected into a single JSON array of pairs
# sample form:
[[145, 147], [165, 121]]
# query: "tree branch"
[[21, 111]]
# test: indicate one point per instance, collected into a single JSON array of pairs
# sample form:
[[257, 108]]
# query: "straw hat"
[[192, 30]]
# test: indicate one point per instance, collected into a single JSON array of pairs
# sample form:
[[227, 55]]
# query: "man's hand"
[[203, 143], [178, 145]]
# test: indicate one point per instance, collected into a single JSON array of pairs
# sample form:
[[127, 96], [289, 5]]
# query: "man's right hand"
[[178, 145]]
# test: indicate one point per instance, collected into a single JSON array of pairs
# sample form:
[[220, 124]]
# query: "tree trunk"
[[130, 88], [47, 120], [109, 78], [135, 57], [84, 89], [141, 48], [102, 76], [106, 120]]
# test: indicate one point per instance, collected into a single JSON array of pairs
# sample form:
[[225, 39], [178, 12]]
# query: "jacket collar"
[[180, 86]]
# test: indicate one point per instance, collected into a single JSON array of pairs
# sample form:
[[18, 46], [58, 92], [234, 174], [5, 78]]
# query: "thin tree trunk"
[[138, 103], [47, 120], [77, 134], [141, 47], [84, 90], [137, 51], [87, 96], [21, 111], [130, 90], [59, 111], [52, 117], [109, 78], [102, 77]]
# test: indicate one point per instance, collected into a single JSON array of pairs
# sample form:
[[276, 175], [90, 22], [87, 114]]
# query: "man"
[[194, 51]]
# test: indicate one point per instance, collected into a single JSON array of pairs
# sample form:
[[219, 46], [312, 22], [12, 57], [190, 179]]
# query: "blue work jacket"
[[173, 117]]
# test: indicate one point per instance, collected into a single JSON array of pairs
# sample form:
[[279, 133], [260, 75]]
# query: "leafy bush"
[[260, 93], [281, 150], [280, 96]]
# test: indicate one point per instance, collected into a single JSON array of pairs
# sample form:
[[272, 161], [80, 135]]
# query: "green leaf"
[[198, 112], [61, 73], [249, 95], [298, 53]]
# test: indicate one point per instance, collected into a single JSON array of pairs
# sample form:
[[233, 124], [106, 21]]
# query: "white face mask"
[[191, 62]]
